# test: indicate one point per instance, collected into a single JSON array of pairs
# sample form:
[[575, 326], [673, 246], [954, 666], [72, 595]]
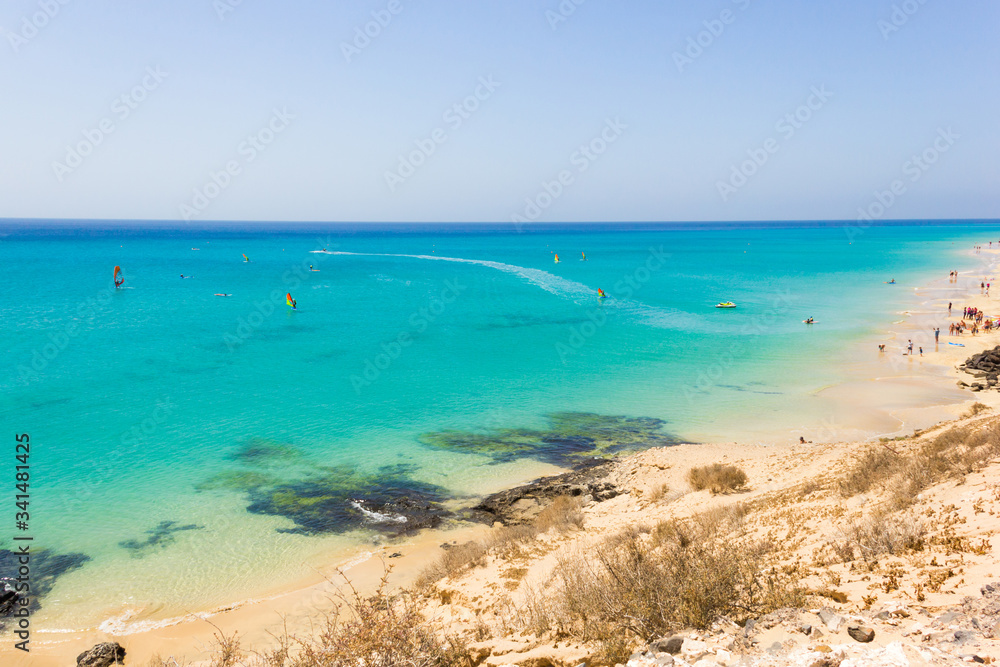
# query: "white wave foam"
[[377, 517]]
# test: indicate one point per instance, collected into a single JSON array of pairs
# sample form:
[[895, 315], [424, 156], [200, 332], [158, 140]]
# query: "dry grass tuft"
[[718, 478]]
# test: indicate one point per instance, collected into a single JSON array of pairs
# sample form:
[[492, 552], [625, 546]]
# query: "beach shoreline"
[[928, 377]]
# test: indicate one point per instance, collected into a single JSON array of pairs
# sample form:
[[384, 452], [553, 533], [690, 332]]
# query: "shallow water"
[[198, 450]]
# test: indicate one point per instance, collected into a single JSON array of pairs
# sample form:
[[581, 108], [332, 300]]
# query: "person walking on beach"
[[937, 334], [949, 307], [921, 351], [909, 347]]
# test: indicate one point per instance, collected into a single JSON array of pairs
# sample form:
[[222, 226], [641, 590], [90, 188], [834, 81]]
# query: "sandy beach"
[[905, 394]]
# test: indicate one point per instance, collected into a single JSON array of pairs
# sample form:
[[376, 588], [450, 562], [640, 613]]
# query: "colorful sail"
[[118, 277], [290, 300], [557, 259], [601, 294], [583, 256], [245, 258]]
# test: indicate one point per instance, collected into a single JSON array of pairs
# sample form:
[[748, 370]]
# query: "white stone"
[[693, 647]]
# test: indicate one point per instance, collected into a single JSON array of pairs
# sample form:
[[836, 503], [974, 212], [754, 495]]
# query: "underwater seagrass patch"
[[159, 537], [339, 499], [262, 452], [46, 568], [569, 438]]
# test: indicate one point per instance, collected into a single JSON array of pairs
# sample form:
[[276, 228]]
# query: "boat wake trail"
[[660, 318], [547, 281]]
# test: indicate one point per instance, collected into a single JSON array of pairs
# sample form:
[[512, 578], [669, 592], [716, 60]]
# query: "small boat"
[[221, 294], [725, 304]]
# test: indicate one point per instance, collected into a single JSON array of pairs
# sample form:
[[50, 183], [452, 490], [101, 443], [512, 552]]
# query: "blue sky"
[[266, 110]]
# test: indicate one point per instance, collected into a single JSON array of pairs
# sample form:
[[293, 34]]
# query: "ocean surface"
[[189, 450]]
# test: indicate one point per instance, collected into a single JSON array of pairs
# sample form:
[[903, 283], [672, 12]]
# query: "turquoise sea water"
[[178, 438]]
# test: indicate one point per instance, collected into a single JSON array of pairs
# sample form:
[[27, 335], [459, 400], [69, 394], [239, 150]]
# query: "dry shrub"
[[228, 652], [718, 478], [640, 584], [952, 454], [659, 492], [881, 533], [564, 513], [159, 661], [976, 409], [509, 541], [452, 562], [381, 630], [836, 596], [876, 465]]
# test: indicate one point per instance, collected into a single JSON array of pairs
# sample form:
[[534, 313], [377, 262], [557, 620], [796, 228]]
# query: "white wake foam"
[[660, 318]]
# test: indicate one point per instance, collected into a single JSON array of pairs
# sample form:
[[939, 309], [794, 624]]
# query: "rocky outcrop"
[[889, 637], [518, 505], [102, 655], [985, 367]]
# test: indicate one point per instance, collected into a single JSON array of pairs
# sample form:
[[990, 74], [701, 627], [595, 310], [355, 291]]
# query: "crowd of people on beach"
[[973, 320]]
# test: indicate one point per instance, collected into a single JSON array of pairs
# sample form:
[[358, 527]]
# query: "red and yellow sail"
[[118, 277], [290, 300]]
